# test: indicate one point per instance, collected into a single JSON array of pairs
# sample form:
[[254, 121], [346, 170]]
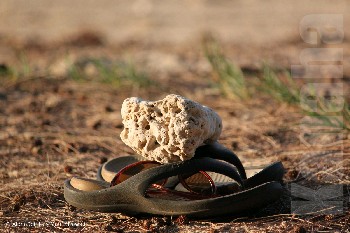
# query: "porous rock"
[[170, 129]]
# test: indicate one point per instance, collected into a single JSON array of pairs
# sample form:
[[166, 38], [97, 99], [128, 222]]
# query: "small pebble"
[[109, 109], [68, 169], [46, 122], [83, 149], [234, 145], [97, 125], [103, 160], [37, 142]]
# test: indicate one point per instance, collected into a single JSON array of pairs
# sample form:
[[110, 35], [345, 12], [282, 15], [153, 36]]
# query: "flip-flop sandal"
[[225, 185], [130, 196], [272, 172]]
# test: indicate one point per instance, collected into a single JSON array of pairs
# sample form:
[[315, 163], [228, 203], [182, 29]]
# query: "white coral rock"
[[170, 129]]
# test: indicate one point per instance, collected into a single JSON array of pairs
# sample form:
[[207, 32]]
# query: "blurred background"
[[163, 37], [243, 22], [269, 27]]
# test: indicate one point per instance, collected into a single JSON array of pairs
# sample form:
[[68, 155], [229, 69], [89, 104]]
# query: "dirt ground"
[[53, 126]]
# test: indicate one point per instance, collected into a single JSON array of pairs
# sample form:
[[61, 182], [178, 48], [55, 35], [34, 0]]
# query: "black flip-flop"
[[272, 172], [130, 197]]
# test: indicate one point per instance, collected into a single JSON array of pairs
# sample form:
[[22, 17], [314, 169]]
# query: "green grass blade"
[[230, 79]]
